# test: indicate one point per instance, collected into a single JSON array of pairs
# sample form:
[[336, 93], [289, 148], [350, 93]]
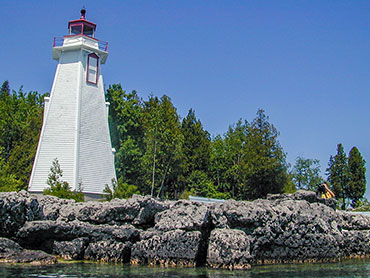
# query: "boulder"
[[108, 251], [11, 252], [15, 210], [177, 247], [283, 229], [305, 195], [35, 234], [229, 249], [184, 215], [70, 250], [52, 205], [138, 210], [353, 221], [356, 243]]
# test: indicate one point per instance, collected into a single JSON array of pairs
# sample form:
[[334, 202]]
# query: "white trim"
[[77, 126]]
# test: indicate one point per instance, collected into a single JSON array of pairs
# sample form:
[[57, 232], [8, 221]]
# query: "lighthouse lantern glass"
[[76, 29], [88, 31]]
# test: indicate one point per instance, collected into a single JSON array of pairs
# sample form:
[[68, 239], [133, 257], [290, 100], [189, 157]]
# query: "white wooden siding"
[[75, 129]]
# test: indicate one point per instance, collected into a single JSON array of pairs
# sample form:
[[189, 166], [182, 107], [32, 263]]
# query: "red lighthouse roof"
[[82, 26]]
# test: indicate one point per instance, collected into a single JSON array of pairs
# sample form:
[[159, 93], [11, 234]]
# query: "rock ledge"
[[235, 234]]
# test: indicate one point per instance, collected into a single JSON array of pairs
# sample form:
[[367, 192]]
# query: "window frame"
[[88, 69]]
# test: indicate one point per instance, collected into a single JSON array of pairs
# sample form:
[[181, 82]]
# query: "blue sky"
[[306, 63]]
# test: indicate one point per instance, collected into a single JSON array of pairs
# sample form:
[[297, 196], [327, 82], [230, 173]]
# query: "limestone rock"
[[175, 247], [11, 252], [233, 234], [15, 210], [108, 251], [35, 234], [70, 250], [184, 215], [138, 210], [52, 205], [229, 249]]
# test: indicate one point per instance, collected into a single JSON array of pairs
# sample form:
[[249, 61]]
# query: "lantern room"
[[82, 26]]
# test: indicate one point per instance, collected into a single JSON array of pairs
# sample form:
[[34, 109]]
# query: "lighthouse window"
[[92, 68], [76, 29], [88, 31]]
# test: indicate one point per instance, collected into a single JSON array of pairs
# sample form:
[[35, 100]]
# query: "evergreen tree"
[[195, 148], [338, 175], [58, 187], [357, 176], [235, 142], [265, 166], [218, 166], [248, 162], [126, 128], [5, 89], [306, 173], [163, 147]]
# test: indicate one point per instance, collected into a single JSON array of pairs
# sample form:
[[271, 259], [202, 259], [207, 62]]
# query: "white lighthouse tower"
[[75, 126]]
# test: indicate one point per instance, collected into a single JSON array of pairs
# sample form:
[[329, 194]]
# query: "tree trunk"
[[161, 191]]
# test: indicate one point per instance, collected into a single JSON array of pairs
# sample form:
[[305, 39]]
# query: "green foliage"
[[362, 204], [236, 140], [120, 190], [219, 164], [248, 162], [20, 124], [347, 175], [8, 181], [58, 187], [338, 174], [289, 187], [196, 150], [357, 176], [163, 142], [156, 153], [168, 158], [125, 118], [266, 167], [148, 141], [200, 185], [306, 174]]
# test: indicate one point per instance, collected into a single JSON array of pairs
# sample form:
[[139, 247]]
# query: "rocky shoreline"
[[236, 234]]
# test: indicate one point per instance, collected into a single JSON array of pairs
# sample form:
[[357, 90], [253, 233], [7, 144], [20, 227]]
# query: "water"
[[349, 268]]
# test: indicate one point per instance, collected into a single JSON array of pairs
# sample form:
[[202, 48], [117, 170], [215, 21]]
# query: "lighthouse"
[[75, 127]]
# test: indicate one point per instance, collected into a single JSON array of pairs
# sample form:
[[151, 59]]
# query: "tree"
[[195, 149], [306, 173], [8, 181], [248, 161], [20, 124], [356, 176], [120, 190], [219, 165], [235, 142], [338, 175], [163, 147], [126, 127], [265, 167], [58, 187]]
